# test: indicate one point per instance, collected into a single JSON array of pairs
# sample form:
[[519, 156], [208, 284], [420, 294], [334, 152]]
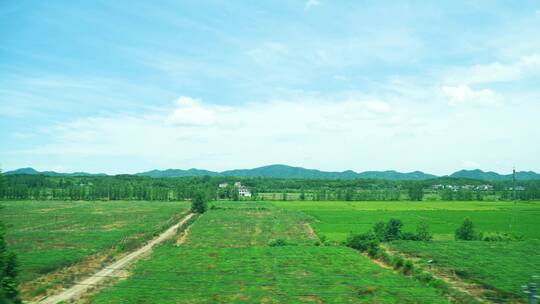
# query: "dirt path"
[[91, 282]]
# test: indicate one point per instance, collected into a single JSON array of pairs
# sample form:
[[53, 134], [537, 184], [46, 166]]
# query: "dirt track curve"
[[83, 286]]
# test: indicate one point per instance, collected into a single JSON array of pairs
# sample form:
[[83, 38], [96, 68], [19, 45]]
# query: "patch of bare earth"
[[54, 282], [310, 232], [310, 299], [103, 274]]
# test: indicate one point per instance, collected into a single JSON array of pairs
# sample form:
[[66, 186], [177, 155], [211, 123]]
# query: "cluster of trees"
[[129, 187], [386, 232], [121, 187]]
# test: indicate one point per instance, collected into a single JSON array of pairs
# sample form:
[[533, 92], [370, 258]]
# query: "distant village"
[[485, 187]]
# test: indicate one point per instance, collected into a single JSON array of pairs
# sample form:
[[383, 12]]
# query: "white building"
[[244, 191]]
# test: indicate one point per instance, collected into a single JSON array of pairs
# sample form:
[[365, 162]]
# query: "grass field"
[[227, 259], [336, 220], [502, 266], [48, 235]]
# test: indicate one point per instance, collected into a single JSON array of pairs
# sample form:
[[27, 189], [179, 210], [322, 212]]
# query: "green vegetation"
[[500, 266], [48, 235], [466, 231], [199, 203], [9, 293], [130, 187], [500, 259], [227, 258]]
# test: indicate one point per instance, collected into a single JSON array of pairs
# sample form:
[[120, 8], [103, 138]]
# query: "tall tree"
[[9, 293], [198, 203]]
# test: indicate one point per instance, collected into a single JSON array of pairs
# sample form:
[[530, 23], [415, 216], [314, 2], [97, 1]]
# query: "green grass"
[[336, 220], [226, 259], [502, 266], [48, 235]]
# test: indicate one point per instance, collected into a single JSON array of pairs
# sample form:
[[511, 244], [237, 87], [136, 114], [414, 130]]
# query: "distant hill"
[[32, 171], [494, 176], [284, 171], [177, 173]]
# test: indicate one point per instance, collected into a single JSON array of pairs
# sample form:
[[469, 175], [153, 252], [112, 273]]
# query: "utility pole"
[[530, 290]]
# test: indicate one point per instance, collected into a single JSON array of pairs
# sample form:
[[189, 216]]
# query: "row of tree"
[[129, 187]]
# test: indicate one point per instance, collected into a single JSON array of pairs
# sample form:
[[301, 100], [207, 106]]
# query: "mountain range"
[[284, 171]]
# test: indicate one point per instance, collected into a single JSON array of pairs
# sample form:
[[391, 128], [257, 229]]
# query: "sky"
[[130, 86]]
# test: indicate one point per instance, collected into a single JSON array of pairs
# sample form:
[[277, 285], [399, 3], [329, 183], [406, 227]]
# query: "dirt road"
[[97, 278]]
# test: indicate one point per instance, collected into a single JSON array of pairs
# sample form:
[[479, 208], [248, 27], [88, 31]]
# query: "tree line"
[[129, 187]]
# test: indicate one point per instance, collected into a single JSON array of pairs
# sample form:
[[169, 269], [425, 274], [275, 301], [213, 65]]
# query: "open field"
[[336, 220], [49, 235], [227, 258], [502, 266]]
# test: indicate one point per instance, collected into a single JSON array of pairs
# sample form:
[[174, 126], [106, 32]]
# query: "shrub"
[[408, 267], [424, 276], [422, 232], [498, 237], [393, 229], [373, 249], [379, 229], [397, 262], [277, 243], [362, 242], [466, 231], [409, 236]]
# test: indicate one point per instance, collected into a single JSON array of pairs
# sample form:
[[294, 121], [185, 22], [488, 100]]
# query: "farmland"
[[50, 235], [499, 266], [228, 257]]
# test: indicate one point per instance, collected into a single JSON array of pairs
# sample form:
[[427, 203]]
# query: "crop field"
[[336, 220], [230, 256], [49, 235], [499, 266]]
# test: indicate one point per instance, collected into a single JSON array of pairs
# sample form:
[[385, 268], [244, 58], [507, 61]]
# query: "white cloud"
[[190, 112], [311, 3], [197, 134], [496, 71], [464, 95]]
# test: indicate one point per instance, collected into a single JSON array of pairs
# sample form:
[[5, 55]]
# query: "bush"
[[499, 237], [422, 232], [362, 242], [466, 231], [373, 249], [424, 277], [277, 243], [409, 236], [408, 267], [393, 229], [397, 262], [379, 229]]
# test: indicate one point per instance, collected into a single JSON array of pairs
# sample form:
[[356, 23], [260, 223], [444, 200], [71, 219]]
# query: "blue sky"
[[127, 86]]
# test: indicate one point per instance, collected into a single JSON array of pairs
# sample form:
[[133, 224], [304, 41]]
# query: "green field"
[[336, 220], [227, 259], [501, 266], [49, 235]]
